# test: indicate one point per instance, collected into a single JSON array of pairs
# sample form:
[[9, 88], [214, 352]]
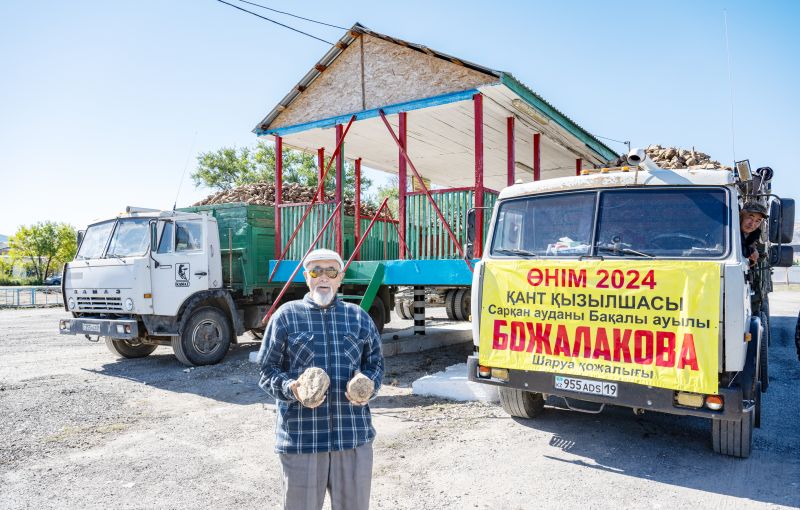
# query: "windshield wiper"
[[114, 255], [615, 248], [516, 251]]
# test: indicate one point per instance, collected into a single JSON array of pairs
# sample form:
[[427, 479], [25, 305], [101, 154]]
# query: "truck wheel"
[[450, 304], [463, 304], [757, 406], [205, 339], [733, 437], [763, 357], [378, 313], [522, 404], [128, 349], [403, 309], [765, 318]]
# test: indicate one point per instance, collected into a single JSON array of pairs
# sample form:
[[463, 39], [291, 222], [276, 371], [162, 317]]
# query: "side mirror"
[[471, 226], [153, 236], [79, 238], [781, 220], [781, 256]]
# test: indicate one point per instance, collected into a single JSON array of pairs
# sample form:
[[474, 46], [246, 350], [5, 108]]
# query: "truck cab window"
[[165, 243], [545, 226], [95, 240], [686, 223], [130, 238], [188, 236]]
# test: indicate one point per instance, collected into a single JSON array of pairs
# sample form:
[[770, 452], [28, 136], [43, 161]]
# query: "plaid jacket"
[[340, 339]]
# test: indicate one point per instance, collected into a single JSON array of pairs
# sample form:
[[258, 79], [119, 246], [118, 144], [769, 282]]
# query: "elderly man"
[[327, 446], [750, 218]]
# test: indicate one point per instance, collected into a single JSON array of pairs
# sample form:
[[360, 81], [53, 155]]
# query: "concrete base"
[[454, 384], [405, 341]]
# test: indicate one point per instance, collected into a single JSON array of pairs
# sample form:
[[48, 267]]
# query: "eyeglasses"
[[330, 272]]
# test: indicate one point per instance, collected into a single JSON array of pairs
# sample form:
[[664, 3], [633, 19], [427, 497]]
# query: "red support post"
[[357, 218], [578, 166], [511, 150], [338, 194], [402, 177], [537, 157], [477, 100], [278, 191], [321, 164]]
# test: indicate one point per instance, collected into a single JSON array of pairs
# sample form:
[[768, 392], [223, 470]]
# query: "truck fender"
[[215, 297], [747, 377]]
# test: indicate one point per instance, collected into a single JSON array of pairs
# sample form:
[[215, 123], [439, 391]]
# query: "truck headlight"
[[71, 303], [129, 304]]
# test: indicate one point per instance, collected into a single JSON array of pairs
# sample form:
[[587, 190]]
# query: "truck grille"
[[99, 303]]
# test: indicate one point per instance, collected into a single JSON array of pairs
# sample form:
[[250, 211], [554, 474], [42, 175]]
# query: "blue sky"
[[102, 103]]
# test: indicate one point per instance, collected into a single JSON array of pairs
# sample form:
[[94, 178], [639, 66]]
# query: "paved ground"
[[80, 429]]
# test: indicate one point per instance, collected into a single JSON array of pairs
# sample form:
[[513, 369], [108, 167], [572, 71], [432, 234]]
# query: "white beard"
[[322, 299]]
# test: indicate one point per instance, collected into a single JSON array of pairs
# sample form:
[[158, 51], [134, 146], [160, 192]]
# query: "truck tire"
[[378, 314], [126, 349], [763, 359], [765, 311], [733, 437], [450, 304], [522, 404], [757, 407], [463, 304], [205, 338], [403, 309]]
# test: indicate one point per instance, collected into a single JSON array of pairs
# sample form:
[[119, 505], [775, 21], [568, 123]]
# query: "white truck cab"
[[630, 286], [147, 278]]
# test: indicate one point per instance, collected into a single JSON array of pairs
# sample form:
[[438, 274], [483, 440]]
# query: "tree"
[[230, 167], [44, 246], [392, 191]]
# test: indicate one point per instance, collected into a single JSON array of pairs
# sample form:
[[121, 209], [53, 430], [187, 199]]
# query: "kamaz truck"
[[193, 279], [630, 286]]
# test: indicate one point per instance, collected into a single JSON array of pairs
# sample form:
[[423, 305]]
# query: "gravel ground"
[[81, 429]]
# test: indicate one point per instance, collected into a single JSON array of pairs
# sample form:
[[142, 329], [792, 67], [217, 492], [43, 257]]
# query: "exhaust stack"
[[639, 157]]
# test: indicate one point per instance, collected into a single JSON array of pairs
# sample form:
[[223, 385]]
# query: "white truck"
[[148, 278], [630, 286]]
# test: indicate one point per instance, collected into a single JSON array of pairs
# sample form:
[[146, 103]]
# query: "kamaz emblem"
[[182, 274]]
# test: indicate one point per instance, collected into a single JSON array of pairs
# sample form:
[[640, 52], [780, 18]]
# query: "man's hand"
[[753, 257], [356, 402], [293, 387]]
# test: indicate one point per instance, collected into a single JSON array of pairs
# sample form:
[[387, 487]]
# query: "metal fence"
[[40, 296]]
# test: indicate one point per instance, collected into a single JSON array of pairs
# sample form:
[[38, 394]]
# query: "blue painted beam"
[[452, 97], [399, 272]]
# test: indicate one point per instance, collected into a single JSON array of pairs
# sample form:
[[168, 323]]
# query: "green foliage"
[[44, 247], [392, 191], [229, 167]]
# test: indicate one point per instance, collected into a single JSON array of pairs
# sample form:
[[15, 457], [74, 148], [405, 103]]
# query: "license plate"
[[607, 389], [91, 327]]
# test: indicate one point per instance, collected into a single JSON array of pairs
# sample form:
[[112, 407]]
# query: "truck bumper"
[[629, 395], [123, 329]]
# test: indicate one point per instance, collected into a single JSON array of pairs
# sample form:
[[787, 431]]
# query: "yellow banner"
[[647, 322]]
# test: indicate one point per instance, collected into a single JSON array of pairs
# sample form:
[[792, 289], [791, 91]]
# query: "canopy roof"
[[367, 72]]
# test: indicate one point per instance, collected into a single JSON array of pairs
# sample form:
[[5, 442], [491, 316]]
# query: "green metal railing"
[[382, 242], [426, 236], [290, 217]]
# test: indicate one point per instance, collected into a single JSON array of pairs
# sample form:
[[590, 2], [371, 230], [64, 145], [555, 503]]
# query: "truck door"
[[182, 264]]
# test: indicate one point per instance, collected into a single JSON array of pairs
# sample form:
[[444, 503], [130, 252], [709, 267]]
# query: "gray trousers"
[[346, 475]]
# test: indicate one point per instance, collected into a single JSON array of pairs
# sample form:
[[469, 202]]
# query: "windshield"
[[131, 238], [673, 223], [95, 240]]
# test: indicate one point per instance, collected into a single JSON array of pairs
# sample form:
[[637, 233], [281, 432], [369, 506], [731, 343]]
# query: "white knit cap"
[[322, 254]]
